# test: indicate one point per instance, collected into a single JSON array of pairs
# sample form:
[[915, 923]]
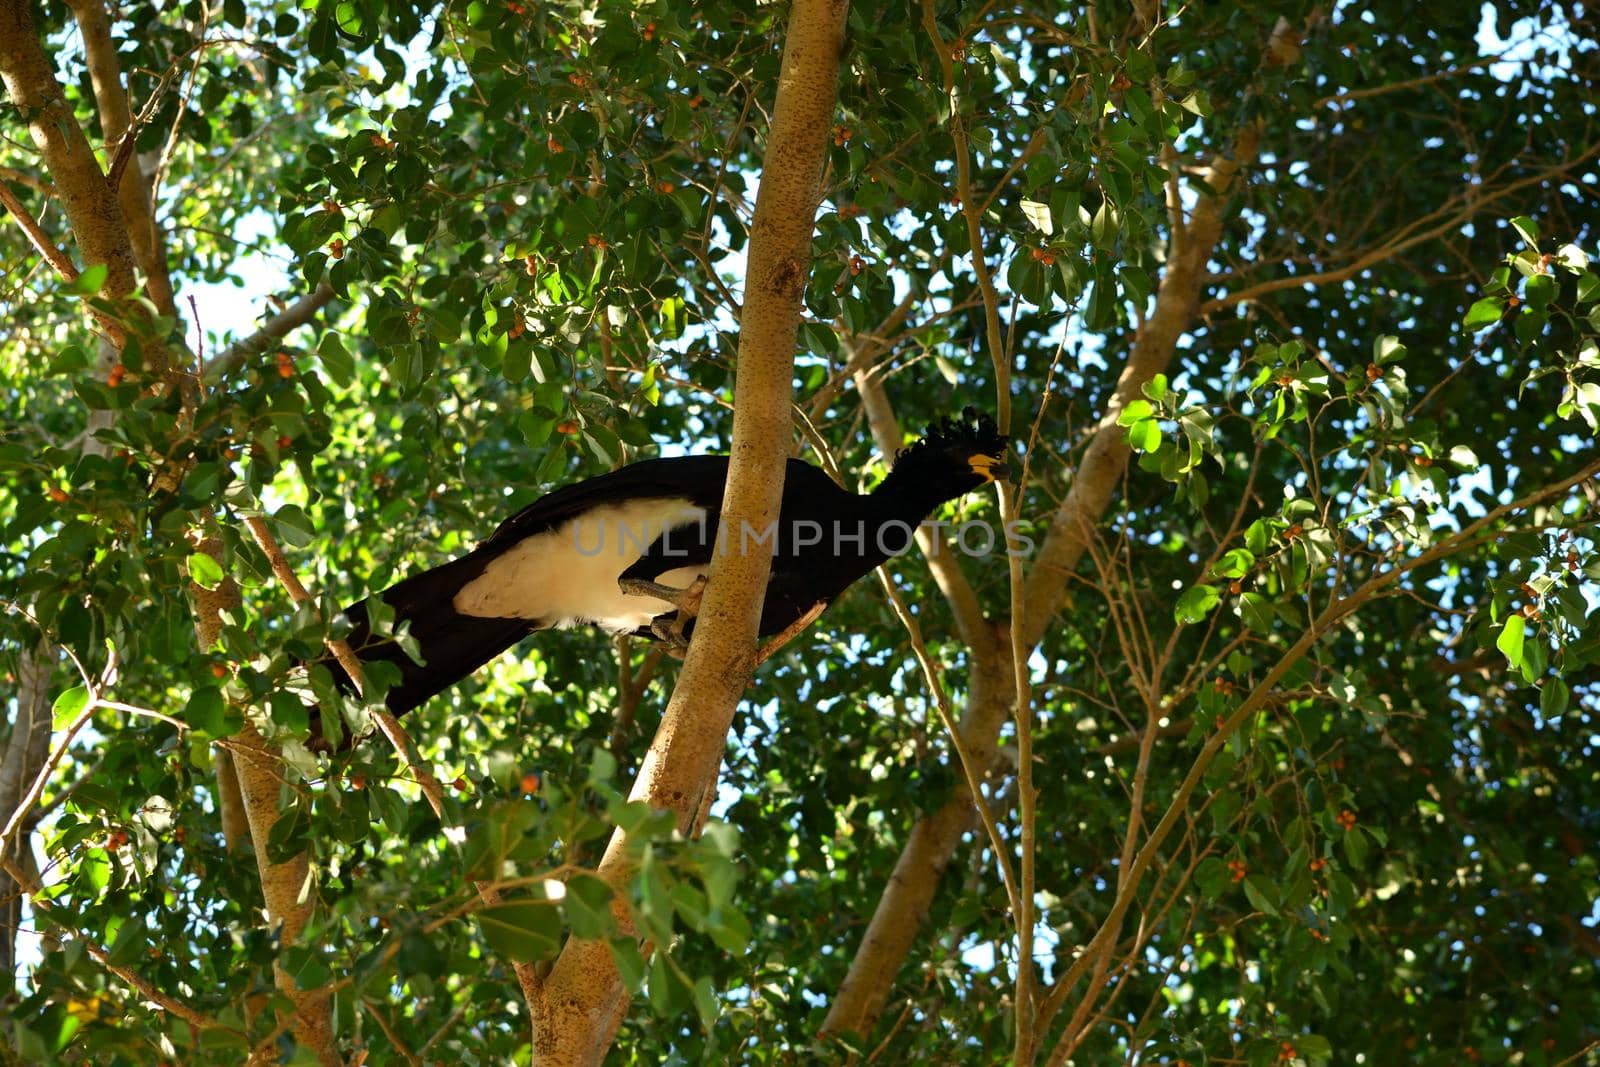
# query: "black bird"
[[627, 551]]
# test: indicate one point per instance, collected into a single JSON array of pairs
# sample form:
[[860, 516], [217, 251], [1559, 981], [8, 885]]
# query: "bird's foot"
[[669, 628]]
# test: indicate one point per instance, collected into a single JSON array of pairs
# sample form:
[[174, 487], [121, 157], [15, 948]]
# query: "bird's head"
[[957, 454]]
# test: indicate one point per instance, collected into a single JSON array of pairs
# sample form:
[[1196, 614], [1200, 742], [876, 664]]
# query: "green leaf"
[[1145, 436], [1313, 1046], [668, 992], [1511, 639], [630, 962], [207, 711], [1196, 603], [1553, 698], [130, 944], [1261, 893], [1528, 230], [1485, 312], [294, 526], [670, 320], [1038, 216], [1572, 258], [336, 359], [1136, 411], [705, 1001], [1256, 610], [68, 706], [524, 930], [587, 907], [1235, 563], [1212, 877], [205, 571], [306, 966], [89, 282], [1355, 847]]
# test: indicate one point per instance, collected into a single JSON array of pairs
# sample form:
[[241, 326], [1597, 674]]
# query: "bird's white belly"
[[568, 576]]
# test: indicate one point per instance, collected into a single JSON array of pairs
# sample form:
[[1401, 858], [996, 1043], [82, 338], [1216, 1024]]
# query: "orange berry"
[[1347, 819], [219, 671], [530, 782], [58, 494], [336, 248], [284, 440], [118, 372], [567, 426], [358, 781], [461, 785]]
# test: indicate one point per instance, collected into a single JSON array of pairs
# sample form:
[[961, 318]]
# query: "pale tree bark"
[[287, 887], [897, 920], [250, 784], [134, 194], [91, 208], [583, 994]]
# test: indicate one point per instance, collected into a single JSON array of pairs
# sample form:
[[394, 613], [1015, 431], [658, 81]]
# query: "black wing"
[[698, 478]]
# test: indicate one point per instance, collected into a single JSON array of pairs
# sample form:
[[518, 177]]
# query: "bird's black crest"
[[973, 430]]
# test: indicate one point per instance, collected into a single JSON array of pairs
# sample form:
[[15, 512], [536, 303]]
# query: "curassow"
[[626, 551]]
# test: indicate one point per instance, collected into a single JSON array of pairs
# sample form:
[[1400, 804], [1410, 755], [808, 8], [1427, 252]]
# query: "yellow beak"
[[990, 468]]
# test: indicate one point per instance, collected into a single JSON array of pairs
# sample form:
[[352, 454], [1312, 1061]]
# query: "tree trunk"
[[583, 996]]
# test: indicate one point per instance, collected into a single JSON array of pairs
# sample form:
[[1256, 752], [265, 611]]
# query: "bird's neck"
[[904, 496]]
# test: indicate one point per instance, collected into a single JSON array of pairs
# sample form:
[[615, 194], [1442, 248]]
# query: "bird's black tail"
[[452, 645]]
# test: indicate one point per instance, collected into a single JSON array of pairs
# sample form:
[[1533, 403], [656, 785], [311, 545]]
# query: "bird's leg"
[[686, 600], [789, 633]]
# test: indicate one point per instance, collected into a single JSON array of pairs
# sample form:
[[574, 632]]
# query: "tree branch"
[[36, 235], [133, 190], [272, 331]]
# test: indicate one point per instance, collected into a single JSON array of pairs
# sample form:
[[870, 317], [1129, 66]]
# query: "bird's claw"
[[670, 628]]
